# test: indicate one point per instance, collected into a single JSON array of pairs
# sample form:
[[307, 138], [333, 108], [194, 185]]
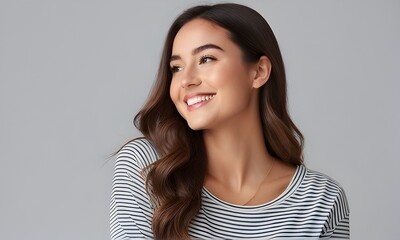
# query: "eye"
[[206, 59], [175, 69]]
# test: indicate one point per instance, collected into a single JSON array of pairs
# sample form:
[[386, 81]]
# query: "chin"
[[197, 125]]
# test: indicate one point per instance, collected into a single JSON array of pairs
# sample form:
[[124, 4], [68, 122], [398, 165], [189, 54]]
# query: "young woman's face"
[[211, 83]]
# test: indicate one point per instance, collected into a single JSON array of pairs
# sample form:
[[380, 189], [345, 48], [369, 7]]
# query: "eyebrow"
[[198, 50]]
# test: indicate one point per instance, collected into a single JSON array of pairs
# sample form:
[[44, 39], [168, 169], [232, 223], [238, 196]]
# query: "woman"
[[220, 157]]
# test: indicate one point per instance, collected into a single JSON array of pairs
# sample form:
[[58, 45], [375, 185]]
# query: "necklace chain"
[[259, 186]]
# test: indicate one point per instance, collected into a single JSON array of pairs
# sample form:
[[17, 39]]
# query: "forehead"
[[198, 32]]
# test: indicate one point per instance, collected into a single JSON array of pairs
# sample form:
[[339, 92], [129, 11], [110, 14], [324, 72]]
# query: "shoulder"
[[327, 199], [139, 152], [322, 181], [325, 188], [131, 208]]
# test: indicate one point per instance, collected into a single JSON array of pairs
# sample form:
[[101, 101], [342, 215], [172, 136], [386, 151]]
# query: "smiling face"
[[211, 84]]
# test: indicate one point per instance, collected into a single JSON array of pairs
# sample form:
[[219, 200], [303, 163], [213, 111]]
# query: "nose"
[[190, 78]]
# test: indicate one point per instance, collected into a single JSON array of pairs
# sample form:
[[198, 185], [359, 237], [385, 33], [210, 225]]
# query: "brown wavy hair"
[[175, 181]]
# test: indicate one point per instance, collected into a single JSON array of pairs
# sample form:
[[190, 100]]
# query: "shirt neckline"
[[292, 186]]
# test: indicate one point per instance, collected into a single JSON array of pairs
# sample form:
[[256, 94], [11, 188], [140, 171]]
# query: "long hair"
[[175, 181]]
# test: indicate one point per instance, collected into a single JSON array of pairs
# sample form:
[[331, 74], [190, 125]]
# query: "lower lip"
[[197, 105]]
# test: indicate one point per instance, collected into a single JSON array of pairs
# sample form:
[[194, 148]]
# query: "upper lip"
[[188, 96]]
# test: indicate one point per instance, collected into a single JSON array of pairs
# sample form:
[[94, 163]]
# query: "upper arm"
[[131, 210]]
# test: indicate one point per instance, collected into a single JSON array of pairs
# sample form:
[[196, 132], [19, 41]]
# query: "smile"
[[198, 99]]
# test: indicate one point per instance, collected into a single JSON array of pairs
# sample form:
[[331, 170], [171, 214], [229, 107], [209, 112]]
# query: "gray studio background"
[[73, 74]]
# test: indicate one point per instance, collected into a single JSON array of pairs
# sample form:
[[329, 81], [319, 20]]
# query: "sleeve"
[[338, 224], [130, 211]]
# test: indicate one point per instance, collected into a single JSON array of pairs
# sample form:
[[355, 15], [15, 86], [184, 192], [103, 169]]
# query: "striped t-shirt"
[[313, 206]]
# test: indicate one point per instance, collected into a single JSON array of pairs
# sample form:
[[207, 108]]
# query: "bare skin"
[[238, 163], [238, 160]]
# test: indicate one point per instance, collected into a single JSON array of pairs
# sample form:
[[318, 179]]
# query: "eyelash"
[[174, 69], [202, 60]]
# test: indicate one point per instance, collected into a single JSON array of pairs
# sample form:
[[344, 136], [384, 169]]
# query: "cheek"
[[236, 87], [174, 91], [232, 80]]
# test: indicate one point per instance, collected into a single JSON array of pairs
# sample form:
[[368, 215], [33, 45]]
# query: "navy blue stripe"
[[313, 206]]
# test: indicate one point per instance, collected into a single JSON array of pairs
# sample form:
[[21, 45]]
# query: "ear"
[[262, 72]]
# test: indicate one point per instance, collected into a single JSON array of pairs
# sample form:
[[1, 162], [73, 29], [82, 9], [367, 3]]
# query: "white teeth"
[[198, 99]]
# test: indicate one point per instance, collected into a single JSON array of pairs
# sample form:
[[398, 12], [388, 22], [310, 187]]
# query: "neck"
[[237, 154]]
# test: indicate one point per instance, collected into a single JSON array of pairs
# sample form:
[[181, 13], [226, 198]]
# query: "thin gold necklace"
[[259, 186]]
